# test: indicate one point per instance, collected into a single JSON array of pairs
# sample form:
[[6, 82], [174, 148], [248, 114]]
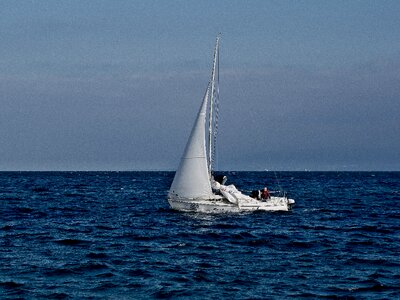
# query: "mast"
[[210, 129]]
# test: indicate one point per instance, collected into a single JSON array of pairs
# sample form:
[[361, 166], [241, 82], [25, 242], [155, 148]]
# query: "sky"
[[115, 85]]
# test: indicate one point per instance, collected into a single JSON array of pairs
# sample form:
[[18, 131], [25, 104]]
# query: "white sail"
[[192, 176]]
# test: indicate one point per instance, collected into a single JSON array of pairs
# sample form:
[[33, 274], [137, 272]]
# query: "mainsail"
[[212, 117], [192, 178]]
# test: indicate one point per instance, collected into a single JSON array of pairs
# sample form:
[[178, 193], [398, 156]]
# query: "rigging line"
[[279, 183]]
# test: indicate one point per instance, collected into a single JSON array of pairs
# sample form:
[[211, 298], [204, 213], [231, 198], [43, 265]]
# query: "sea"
[[112, 235]]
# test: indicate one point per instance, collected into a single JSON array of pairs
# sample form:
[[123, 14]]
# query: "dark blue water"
[[112, 235]]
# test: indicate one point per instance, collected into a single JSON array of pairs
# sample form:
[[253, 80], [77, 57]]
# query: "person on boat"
[[256, 194], [265, 194]]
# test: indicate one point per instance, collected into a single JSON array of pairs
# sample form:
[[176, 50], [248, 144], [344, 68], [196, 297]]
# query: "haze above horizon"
[[115, 85]]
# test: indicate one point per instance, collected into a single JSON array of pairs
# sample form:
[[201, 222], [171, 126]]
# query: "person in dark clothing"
[[256, 194]]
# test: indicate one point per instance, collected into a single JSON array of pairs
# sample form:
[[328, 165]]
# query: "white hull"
[[223, 206]]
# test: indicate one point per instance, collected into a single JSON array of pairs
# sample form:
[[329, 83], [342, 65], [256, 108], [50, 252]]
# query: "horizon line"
[[153, 170]]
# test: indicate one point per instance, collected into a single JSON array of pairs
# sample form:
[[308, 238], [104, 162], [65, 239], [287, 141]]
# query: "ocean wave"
[[79, 235]]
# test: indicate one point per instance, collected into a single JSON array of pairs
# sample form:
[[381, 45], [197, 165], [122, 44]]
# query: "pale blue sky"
[[115, 85]]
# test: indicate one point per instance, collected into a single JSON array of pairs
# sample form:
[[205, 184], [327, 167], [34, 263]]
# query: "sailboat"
[[194, 187]]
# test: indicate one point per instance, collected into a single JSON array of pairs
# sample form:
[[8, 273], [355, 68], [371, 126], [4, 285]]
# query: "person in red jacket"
[[265, 194]]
